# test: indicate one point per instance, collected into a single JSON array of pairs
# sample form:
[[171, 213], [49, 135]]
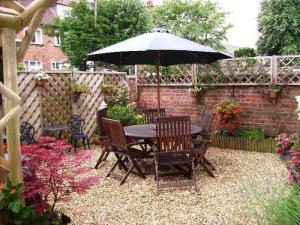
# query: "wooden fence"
[[243, 143], [276, 70], [54, 103]]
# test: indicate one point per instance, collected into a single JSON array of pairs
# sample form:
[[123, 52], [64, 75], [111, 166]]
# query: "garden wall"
[[246, 80], [257, 110]]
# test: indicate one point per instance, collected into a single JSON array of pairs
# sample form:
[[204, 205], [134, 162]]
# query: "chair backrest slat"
[[76, 124], [115, 133], [152, 114], [206, 121], [102, 113], [173, 134]]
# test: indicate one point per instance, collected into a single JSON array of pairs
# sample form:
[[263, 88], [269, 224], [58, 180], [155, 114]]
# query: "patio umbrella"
[[157, 47]]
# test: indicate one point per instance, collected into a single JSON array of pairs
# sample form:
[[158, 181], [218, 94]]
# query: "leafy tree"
[[116, 20], [245, 52], [279, 25], [200, 21]]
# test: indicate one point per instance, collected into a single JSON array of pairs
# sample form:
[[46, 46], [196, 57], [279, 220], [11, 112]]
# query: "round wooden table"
[[147, 131]]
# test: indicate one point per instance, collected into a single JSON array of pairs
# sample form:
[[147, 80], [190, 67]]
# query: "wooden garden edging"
[[243, 143]]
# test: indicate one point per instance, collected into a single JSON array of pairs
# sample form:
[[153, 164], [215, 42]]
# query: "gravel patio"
[[227, 199]]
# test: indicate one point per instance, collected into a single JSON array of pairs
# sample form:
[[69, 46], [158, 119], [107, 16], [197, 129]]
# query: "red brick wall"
[[45, 53], [257, 110]]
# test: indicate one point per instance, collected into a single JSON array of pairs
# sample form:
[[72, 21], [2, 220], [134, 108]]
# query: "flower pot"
[[106, 90], [285, 156], [273, 95], [41, 83], [194, 94]]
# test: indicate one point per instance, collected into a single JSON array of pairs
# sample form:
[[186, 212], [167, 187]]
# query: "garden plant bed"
[[244, 143], [227, 199]]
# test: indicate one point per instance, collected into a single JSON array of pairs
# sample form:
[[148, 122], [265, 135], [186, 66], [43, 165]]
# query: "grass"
[[283, 209]]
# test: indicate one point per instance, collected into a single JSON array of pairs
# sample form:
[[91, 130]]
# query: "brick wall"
[[257, 110], [45, 53]]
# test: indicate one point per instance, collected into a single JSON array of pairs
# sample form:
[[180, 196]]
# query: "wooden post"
[[13, 125], [274, 70], [194, 75]]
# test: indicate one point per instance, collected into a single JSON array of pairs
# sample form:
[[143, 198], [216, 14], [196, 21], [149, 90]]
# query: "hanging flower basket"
[[41, 83], [194, 94], [273, 95], [106, 89]]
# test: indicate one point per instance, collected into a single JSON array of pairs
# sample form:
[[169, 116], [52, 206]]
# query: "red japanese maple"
[[53, 175]]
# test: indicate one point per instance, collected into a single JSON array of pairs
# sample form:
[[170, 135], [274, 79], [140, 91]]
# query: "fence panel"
[[53, 104], [30, 96]]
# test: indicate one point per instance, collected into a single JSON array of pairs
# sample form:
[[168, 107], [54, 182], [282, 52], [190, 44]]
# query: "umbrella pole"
[[158, 82]]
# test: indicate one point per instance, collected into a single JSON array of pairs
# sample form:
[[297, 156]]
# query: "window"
[[57, 40], [57, 66], [38, 37], [33, 65]]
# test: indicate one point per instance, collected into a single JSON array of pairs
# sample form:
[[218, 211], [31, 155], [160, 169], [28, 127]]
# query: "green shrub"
[[245, 52], [255, 133], [283, 209], [125, 114]]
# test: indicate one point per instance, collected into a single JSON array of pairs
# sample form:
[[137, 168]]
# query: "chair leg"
[[84, 143], [138, 169], [126, 175], [113, 167], [156, 175], [207, 170], [75, 144], [208, 163], [88, 143], [195, 177], [102, 157]]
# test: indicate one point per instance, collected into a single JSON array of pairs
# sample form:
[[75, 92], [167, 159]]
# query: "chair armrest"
[[140, 142]]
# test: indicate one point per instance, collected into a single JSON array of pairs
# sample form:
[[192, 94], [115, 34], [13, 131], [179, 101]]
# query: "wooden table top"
[[147, 131]]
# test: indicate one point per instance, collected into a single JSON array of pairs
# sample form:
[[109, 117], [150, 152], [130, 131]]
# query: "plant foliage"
[[279, 25], [200, 21], [116, 20], [125, 114], [245, 52]]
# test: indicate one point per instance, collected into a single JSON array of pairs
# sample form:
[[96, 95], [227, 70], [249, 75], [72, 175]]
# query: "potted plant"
[[196, 91], [79, 88], [273, 91], [107, 88], [284, 145], [228, 112], [42, 78]]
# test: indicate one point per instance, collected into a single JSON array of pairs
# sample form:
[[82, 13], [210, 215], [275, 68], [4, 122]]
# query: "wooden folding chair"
[[123, 151], [201, 145], [102, 113], [173, 140], [151, 115]]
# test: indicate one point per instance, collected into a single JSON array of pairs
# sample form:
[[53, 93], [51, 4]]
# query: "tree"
[[245, 52], [116, 20], [279, 25], [200, 21]]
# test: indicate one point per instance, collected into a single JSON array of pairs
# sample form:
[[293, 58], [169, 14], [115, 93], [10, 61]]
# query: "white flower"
[[42, 76]]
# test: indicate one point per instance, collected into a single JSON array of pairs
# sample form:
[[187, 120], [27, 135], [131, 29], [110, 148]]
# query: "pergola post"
[[13, 125]]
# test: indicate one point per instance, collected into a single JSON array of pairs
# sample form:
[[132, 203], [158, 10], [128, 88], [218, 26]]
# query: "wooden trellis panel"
[[288, 70], [30, 100], [175, 75], [88, 104], [56, 104]]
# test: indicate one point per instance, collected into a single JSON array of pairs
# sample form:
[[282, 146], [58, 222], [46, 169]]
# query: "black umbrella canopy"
[[158, 44]]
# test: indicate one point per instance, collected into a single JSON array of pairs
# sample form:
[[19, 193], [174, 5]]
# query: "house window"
[[33, 65], [57, 40], [57, 66], [38, 37]]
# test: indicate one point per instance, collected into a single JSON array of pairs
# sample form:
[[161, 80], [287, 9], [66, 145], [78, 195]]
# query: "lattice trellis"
[[288, 70], [255, 70], [240, 71], [179, 74], [53, 104], [56, 104], [30, 101], [88, 104]]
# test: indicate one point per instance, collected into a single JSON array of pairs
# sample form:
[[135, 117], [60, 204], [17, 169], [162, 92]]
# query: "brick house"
[[44, 51]]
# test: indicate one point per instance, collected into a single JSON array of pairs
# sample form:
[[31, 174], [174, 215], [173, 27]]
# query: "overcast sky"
[[243, 14]]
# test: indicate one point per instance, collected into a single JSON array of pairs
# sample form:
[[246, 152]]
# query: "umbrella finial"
[[159, 30]]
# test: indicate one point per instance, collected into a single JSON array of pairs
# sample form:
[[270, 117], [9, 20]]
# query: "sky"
[[243, 16]]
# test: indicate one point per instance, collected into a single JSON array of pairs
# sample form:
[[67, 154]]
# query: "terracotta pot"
[[41, 83], [194, 94], [273, 95]]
